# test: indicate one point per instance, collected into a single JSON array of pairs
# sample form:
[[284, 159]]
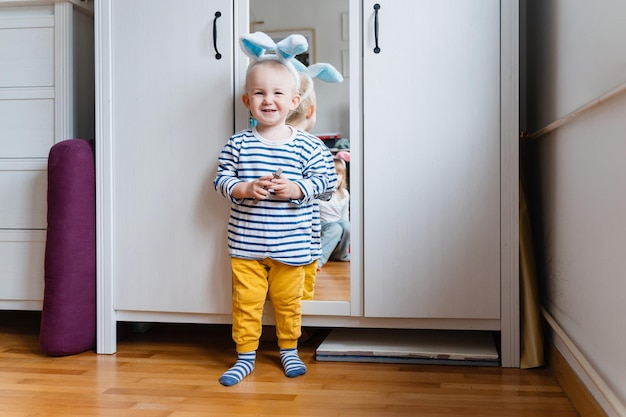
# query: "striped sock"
[[292, 363], [240, 370]]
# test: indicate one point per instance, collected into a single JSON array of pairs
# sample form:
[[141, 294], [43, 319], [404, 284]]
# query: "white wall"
[[325, 16], [576, 52]]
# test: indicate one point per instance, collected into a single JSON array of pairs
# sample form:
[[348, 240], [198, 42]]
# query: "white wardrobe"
[[433, 181]]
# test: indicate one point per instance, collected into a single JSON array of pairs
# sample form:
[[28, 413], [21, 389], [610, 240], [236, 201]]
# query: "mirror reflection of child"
[[304, 118], [335, 218]]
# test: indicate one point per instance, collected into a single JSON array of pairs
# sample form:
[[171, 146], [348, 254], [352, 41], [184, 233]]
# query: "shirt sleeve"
[[226, 178], [319, 174]]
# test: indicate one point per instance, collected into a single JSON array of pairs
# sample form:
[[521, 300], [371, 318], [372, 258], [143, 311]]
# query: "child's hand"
[[259, 189], [285, 189]]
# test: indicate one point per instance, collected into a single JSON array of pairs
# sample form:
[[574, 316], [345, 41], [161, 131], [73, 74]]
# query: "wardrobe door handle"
[[217, 53], [376, 9]]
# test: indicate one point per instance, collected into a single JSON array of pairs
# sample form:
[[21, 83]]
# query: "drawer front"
[[27, 127], [27, 57], [23, 195], [26, 47], [21, 267]]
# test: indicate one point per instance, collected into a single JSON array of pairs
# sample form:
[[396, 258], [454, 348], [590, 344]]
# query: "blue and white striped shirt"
[[272, 228]]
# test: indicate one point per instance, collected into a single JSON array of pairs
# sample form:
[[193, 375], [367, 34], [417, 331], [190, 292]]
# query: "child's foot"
[[292, 363], [240, 370]]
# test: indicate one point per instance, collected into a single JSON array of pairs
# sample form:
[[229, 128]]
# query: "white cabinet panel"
[[432, 159], [21, 268], [27, 52], [171, 112], [27, 127], [23, 192]]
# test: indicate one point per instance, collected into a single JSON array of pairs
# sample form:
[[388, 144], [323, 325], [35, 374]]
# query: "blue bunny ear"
[[299, 66], [292, 45], [321, 71], [255, 44], [324, 72]]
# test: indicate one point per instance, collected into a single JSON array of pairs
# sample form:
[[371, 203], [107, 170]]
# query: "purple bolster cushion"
[[68, 317]]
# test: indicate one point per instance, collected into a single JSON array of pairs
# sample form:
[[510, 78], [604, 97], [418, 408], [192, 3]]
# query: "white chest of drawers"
[[38, 87]]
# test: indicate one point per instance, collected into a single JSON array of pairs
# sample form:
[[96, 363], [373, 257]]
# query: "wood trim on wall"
[[589, 393], [578, 394]]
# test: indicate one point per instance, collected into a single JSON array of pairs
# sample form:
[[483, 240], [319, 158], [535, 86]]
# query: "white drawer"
[[27, 126], [22, 269], [23, 194], [26, 47]]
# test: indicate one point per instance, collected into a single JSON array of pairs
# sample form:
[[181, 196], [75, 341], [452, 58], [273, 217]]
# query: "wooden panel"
[[582, 400], [432, 160]]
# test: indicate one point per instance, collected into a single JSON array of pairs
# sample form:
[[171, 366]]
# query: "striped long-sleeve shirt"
[[273, 228]]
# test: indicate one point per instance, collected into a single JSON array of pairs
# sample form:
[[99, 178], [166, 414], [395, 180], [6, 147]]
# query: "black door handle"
[[217, 53], [376, 9]]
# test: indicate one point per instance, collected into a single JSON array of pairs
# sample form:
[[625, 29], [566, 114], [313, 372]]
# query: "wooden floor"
[[333, 282], [173, 371]]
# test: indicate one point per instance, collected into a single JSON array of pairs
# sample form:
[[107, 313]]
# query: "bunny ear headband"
[[321, 71], [260, 47]]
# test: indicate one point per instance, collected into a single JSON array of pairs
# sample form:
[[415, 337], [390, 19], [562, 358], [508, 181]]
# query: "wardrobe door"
[[171, 112], [431, 159]]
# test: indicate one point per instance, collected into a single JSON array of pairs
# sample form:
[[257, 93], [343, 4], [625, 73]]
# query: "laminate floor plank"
[[173, 370]]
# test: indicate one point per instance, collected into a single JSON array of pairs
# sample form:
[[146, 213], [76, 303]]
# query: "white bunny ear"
[[324, 72], [291, 46], [255, 44]]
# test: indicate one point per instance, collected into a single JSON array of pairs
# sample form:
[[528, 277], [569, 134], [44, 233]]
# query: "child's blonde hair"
[[307, 99]]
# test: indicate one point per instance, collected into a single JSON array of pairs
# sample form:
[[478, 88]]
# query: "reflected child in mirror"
[[304, 118], [335, 217]]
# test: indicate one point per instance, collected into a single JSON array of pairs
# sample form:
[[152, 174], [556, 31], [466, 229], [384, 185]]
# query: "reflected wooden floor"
[[333, 282], [173, 371]]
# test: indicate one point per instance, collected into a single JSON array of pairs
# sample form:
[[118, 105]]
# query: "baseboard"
[[576, 391], [589, 395]]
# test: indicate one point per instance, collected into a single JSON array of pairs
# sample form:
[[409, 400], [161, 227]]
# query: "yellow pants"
[[310, 272], [254, 281]]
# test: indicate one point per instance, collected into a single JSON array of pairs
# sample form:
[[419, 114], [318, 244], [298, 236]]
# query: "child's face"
[[270, 94]]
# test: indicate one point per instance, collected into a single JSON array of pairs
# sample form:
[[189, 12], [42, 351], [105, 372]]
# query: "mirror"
[[325, 25]]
